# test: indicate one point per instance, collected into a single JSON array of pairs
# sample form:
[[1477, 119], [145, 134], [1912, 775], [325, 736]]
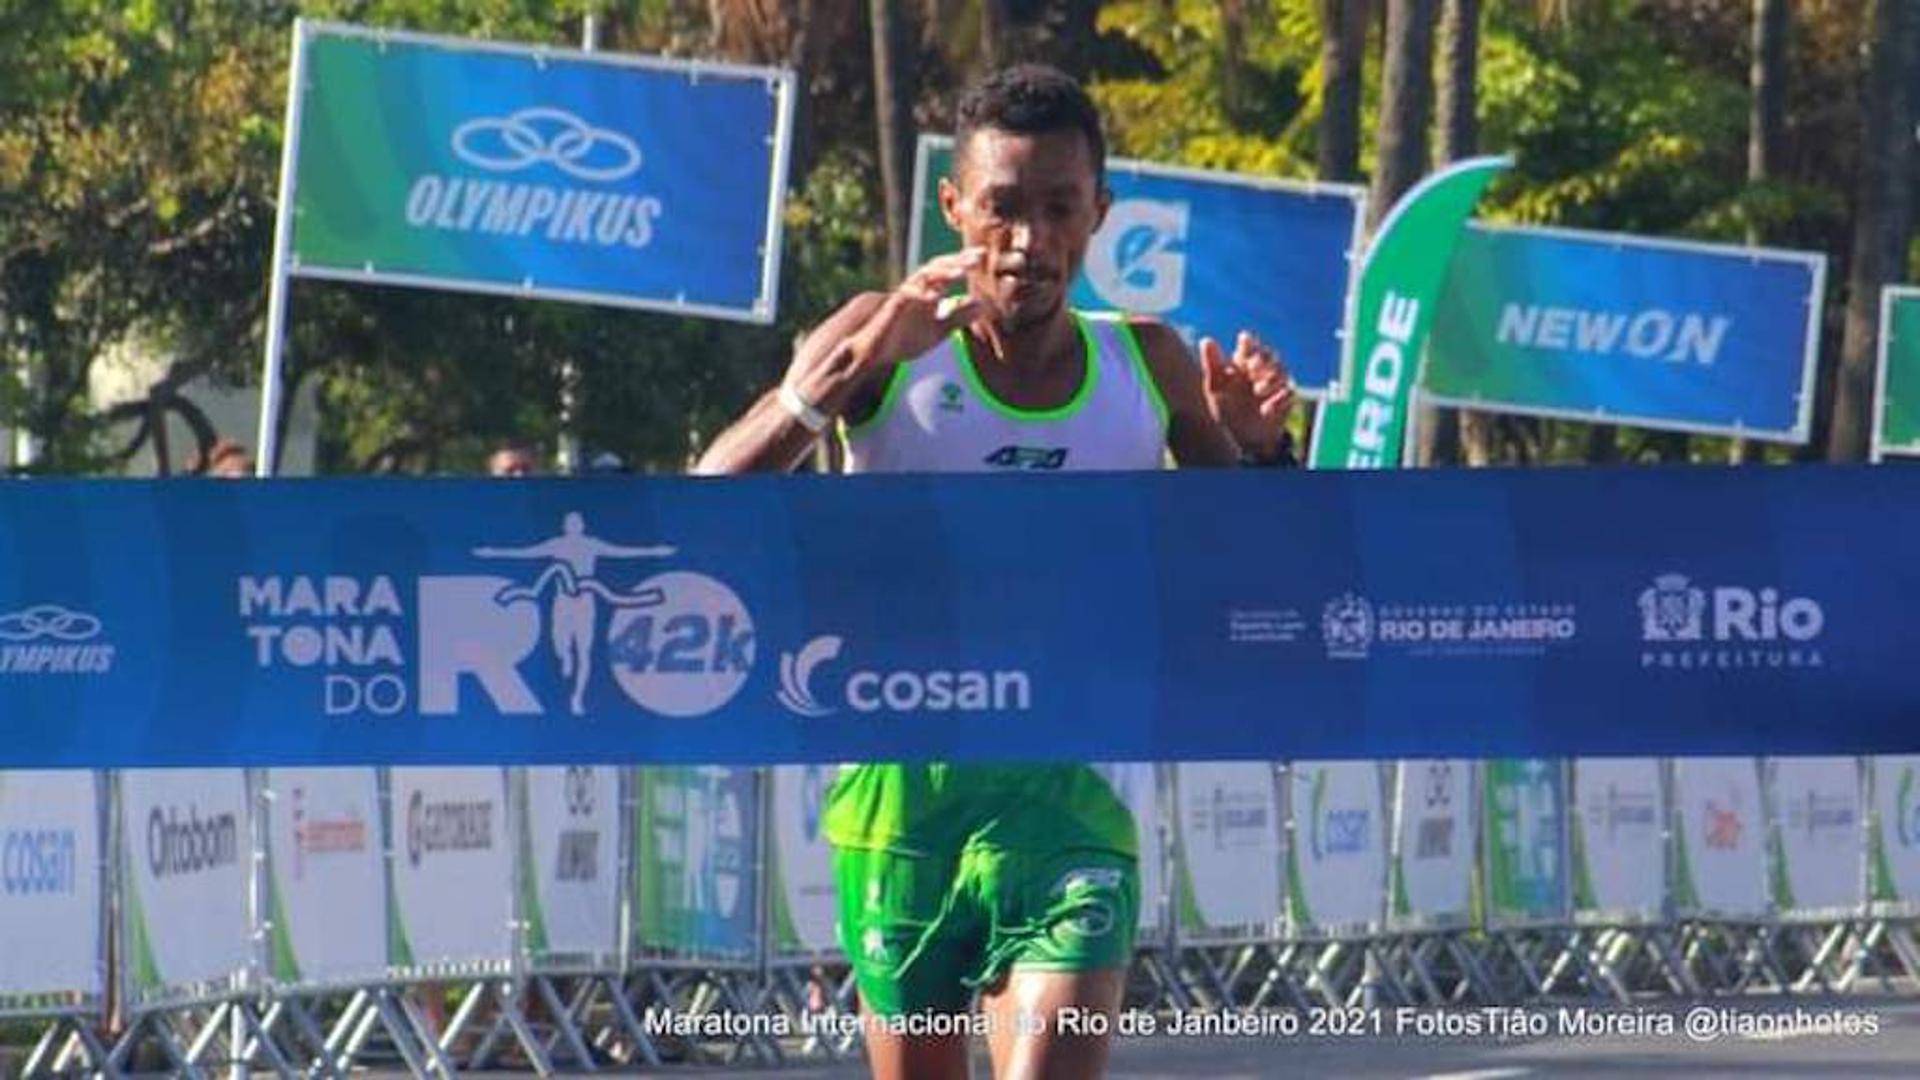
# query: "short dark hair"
[[1029, 99]]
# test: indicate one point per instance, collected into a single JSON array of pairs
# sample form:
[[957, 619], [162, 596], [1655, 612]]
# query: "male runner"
[[1018, 881]]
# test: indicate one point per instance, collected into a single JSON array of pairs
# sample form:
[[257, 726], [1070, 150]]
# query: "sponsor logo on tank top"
[[1028, 457]]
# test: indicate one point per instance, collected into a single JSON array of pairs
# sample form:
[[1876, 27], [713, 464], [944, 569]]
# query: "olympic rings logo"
[[553, 136], [48, 621]]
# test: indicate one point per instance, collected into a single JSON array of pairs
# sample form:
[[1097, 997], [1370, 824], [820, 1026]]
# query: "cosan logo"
[[900, 691], [37, 862], [1685, 625], [1335, 830]]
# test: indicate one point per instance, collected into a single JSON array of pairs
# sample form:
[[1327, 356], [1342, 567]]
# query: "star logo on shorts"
[[875, 945], [1083, 892]]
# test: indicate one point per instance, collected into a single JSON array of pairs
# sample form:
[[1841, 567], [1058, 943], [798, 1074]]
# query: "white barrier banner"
[[1433, 852], [1821, 838], [696, 870], [1619, 847], [1337, 860], [1138, 785], [570, 879], [188, 848], [452, 867], [804, 912], [50, 883], [1229, 822], [1722, 856], [326, 886], [1896, 829]]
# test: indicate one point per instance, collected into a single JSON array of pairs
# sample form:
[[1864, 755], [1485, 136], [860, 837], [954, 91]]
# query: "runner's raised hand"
[[1250, 394]]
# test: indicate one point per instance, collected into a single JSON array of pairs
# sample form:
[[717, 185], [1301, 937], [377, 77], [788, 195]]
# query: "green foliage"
[[1236, 93], [134, 161], [1609, 129]]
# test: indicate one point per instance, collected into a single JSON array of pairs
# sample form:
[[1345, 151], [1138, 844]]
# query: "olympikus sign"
[[517, 169]]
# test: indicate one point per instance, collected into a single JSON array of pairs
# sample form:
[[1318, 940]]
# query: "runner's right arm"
[[839, 368]]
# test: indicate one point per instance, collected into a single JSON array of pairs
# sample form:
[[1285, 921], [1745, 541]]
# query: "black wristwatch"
[[1283, 457]]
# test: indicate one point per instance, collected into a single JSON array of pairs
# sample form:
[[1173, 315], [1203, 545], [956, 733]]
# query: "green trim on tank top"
[[1014, 412], [1142, 372], [887, 397]]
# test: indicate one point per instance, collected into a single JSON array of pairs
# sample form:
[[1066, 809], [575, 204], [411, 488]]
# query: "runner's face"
[[1032, 202]]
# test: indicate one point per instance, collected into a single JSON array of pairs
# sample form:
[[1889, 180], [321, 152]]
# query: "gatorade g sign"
[[1210, 253], [1138, 262], [537, 172]]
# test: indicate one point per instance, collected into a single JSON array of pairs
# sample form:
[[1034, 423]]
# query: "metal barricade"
[[1620, 837], [1721, 899], [1228, 905], [1337, 867], [1432, 948]]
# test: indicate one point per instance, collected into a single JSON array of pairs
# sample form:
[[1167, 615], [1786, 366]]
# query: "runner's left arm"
[[1224, 410]]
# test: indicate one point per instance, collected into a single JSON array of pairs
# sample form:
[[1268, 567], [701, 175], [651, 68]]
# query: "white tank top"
[[937, 415]]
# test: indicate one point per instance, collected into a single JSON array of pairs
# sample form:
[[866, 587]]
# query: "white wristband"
[[801, 409]]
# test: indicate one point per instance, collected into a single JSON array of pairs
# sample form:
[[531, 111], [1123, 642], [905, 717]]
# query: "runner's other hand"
[[901, 325], [919, 312], [1251, 394]]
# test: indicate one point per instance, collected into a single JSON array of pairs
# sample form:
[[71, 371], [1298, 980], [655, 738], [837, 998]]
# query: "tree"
[[1343, 50], [996, 48], [1767, 78], [893, 96], [1882, 216], [1406, 103], [1445, 433]]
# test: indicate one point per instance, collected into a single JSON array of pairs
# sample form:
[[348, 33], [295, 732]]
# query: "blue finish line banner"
[[1153, 616]]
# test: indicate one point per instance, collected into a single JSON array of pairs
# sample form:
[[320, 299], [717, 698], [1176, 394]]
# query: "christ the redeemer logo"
[[573, 608]]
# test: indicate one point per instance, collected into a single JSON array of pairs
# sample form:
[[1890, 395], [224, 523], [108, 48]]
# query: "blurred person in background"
[[226, 459], [513, 458]]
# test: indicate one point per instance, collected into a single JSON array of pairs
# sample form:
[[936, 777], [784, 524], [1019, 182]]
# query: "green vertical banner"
[[1896, 427], [1399, 289], [1525, 840]]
